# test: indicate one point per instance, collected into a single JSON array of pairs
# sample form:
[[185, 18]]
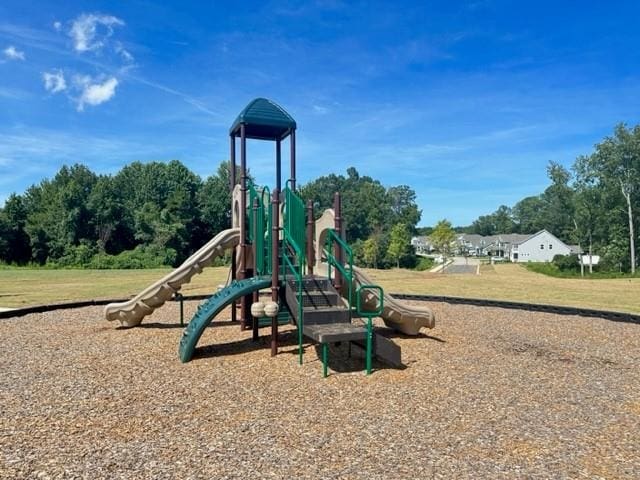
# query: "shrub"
[[424, 264], [566, 263]]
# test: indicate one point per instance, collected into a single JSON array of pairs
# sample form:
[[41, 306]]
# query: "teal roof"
[[264, 120]]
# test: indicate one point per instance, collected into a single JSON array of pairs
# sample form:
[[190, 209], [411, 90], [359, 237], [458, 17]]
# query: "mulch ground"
[[488, 393]]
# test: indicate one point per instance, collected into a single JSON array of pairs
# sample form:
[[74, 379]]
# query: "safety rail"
[[369, 315], [347, 273], [260, 232], [293, 250], [294, 217]]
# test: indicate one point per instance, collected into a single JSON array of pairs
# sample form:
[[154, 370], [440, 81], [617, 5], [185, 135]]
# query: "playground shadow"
[[391, 333], [340, 361], [163, 326], [246, 345]]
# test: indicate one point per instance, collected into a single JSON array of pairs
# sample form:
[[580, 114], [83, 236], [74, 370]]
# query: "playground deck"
[[490, 393]]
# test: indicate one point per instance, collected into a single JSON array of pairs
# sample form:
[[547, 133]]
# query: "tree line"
[[155, 214], [595, 203]]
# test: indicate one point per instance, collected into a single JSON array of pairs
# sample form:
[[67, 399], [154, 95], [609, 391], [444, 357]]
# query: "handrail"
[[294, 220], [332, 260], [261, 229], [376, 313]]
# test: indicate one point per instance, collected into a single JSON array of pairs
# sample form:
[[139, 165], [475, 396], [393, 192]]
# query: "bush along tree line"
[[595, 204], [156, 214], [146, 215]]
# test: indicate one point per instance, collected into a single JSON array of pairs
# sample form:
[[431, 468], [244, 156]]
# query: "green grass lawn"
[[25, 287], [515, 283]]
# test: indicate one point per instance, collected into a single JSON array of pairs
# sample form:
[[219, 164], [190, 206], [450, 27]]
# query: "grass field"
[[25, 287]]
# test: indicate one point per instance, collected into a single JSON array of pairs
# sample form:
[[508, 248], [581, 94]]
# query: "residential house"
[[422, 245], [539, 247]]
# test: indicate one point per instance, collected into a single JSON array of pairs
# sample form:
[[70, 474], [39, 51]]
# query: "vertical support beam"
[[325, 359], [254, 320], [278, 165], [275, 265], [293, 159], [243, 220], [310, 250], [337, 209], [232, 182]]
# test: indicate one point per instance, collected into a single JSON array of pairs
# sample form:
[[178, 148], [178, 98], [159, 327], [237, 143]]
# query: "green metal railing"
[[345, 270], [369, 315], [293, 250], [294, 217]]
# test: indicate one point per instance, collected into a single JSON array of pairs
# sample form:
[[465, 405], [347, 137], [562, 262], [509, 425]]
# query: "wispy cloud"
[[54, 81], [95, 92], [12, 53], [91, 32], [13, 94], [320, 110]]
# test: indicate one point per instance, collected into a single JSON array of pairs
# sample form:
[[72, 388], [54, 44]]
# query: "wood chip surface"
[[488, 393]]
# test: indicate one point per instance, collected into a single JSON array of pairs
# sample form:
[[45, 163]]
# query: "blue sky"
[[466, 102]]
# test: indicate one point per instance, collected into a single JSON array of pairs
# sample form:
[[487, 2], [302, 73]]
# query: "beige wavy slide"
[[131, 312], [395, 314]]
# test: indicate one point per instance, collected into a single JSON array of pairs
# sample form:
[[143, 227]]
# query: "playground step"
[[320, 299], [321, 303], [327, 315], [334, 332]]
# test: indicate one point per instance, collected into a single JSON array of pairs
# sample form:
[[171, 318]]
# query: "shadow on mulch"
[[391, 333], [246, 345], [162, 326], [340, 361]]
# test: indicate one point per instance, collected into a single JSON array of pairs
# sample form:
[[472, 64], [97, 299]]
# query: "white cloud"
[[13, 54], [57, 26], [320, 110], [91, 31], [54, 81], [94, 92], [126, 56]]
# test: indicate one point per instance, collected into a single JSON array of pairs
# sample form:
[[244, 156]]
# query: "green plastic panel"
[[211, 307], [263, 120]]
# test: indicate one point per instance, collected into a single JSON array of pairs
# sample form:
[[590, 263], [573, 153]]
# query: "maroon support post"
[[278, 165], [243, 220], [293, 159], [275, 265], [232, 178]]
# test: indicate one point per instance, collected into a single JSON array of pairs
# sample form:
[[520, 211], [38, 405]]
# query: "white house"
[[422, 245], [539, 247]]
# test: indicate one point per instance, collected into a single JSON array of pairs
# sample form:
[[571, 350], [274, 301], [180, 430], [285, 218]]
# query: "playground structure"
[[279, 246]]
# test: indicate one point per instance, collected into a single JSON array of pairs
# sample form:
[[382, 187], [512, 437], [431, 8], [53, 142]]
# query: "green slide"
[[211, 307]]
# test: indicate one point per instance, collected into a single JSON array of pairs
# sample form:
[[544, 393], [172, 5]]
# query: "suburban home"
[[539, 247], [422, 245]]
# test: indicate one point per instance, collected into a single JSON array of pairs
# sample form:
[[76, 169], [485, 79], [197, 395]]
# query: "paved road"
[[463, 265]]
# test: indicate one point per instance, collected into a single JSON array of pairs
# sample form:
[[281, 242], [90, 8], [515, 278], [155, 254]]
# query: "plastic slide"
[[396, 314], [131, 312]]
